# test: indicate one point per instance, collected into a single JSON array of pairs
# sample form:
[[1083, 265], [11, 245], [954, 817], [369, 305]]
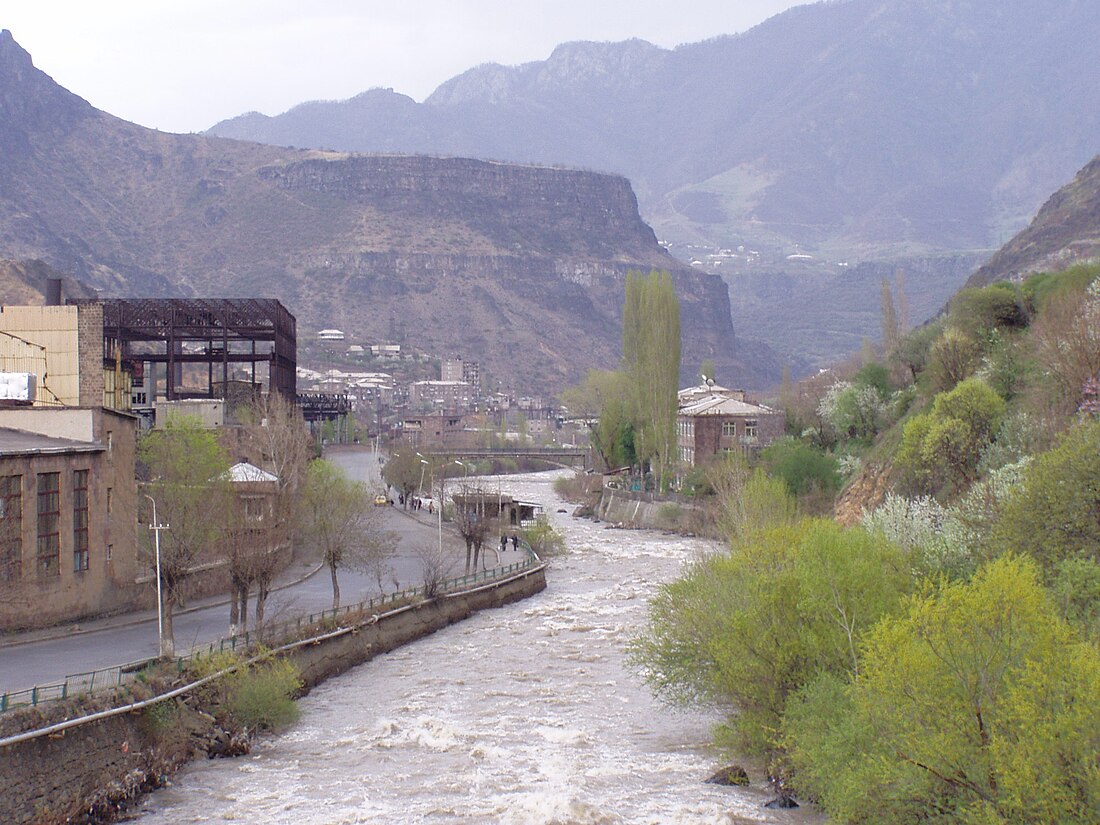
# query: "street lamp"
[[156, 527], [465, 468], [420, 486]]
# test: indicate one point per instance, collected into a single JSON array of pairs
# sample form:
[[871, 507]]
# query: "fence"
[[118, 675]]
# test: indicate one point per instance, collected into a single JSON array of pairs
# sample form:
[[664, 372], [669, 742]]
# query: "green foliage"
[[977, 705], [403, 471], [943, 446], [912, 351], [606, 394], [876, 376], [1038, 290], [1054, 515], [802, 468], [651, 363], [262, 696], [544, 539], [978, 312], [750, 627]]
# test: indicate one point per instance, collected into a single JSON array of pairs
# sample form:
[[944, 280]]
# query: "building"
[[331, 335], [68, 514], [447, 395], [438, 431], [455, 369], [709, 425]]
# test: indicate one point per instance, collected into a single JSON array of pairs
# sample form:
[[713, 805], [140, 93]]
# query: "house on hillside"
[[713, 424]]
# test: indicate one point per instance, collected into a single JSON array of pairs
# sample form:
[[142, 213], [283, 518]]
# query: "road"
[[33, 660]]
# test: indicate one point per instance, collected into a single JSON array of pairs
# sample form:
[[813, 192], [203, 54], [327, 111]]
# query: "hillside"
[[1065, 232], [519, 267], [885, 131]]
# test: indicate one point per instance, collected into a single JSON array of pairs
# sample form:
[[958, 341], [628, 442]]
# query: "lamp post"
[[156, 527], [420, 486]]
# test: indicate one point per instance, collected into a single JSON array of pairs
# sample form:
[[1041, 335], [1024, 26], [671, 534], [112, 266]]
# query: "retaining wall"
[[633, 510], [58, 779]]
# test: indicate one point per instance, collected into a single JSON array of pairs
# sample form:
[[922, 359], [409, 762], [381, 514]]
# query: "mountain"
[[520, 267], [24, 283], [913, 134], [1065, 232]]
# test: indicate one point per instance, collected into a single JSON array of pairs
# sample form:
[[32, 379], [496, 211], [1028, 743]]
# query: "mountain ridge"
[[519, 267]]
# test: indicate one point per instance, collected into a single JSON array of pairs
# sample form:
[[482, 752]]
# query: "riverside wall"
[[90, 772], [641, 511]]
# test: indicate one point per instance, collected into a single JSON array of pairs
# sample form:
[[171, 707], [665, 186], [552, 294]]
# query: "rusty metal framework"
[[210, 331]]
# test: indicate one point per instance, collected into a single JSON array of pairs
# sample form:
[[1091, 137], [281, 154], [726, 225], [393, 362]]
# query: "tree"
[[977, 704], [953, 357], [605, 394], [1067, 336], [276, 436], [651, 359], [471, 521], [340, 520], [943, 446], [1055, 514], [802, 468], [743, 631], [186, 469], [404, 472]]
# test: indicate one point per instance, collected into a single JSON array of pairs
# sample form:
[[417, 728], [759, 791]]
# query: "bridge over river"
[[563, 456]]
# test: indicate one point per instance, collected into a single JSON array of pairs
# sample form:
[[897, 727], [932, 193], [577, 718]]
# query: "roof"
[[245, 472], [722, 405], [21, 442]]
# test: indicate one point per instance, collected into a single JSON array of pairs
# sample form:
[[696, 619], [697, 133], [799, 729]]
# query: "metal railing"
[[116, 676]]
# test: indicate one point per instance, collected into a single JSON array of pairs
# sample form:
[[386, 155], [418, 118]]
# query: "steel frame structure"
[[230, 328]]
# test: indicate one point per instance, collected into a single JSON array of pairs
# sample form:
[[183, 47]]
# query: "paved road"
[[31, 660]]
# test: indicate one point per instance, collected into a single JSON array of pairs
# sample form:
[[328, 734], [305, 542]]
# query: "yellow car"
[[380, 500]]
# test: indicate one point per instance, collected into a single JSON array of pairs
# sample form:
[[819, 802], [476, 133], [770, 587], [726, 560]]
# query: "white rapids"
[[525, 714]]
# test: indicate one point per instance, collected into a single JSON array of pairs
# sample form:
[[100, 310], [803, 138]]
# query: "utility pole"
[[156, 527]]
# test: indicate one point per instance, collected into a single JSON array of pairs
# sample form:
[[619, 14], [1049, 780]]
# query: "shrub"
[[802, 468], [262, 696], [544, 539]]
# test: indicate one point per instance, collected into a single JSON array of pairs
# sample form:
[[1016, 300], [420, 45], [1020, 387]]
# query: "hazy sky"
[[183, 65]]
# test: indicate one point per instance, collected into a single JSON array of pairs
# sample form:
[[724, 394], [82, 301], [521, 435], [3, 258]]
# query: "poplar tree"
[[651, 360]]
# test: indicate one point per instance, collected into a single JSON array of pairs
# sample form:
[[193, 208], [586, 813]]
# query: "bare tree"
[[339, 520], [471, 521], [278, 441]]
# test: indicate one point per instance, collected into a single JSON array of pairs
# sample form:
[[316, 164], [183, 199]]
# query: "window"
[[49, 524], [110, 500], [750, 428], [80, 520], [11, 528], [729, 428]]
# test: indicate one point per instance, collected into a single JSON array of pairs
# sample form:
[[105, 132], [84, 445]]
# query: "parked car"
[[380, 500]]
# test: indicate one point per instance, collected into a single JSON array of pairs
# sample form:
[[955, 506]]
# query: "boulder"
[[729, 775]]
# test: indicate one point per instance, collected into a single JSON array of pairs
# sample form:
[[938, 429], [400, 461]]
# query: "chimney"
[[53, 292]]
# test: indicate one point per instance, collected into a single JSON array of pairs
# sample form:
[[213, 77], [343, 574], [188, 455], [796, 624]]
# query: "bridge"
[[565, 456]]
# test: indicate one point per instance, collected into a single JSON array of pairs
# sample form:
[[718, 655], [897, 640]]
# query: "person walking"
[[515, 542], [503, 542]]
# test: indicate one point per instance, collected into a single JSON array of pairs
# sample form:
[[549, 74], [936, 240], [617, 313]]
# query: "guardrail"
[[116, 676]]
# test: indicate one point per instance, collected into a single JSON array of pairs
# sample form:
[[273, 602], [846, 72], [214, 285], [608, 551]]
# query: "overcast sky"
[[183, 65]]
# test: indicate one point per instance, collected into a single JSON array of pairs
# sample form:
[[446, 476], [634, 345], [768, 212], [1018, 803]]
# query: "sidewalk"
[[489, 550], [293, 575]]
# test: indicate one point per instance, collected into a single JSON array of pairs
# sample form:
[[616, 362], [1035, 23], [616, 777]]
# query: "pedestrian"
[[430, 506], [515, 542], [503, 542]]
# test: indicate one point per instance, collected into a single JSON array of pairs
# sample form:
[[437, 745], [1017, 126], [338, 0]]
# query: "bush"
[[803, 469], [262, 696], [544, 540]]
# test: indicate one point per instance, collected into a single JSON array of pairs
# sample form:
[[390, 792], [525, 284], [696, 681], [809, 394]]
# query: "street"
[[33, 660]]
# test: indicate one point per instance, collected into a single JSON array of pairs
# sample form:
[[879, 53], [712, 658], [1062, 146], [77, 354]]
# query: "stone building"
[[714, 424], [68, 514]]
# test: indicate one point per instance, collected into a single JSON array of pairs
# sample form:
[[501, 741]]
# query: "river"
[[525, 714]]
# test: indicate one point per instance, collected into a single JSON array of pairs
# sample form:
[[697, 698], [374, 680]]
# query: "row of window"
[[686, 427], [48, 511]]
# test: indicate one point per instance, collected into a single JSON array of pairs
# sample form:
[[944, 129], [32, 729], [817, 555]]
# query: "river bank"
[[91, 772]]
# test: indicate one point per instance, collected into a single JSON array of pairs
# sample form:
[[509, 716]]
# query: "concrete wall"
[[55, 780], [632, 510]]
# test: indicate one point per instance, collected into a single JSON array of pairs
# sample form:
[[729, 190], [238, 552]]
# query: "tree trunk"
[[262, 593], [335, 586], [243, 610], [469, 548], [234, 609], [477, 551]]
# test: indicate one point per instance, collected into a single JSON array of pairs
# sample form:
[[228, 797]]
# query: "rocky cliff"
[[1065, 232], [518, 266]]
